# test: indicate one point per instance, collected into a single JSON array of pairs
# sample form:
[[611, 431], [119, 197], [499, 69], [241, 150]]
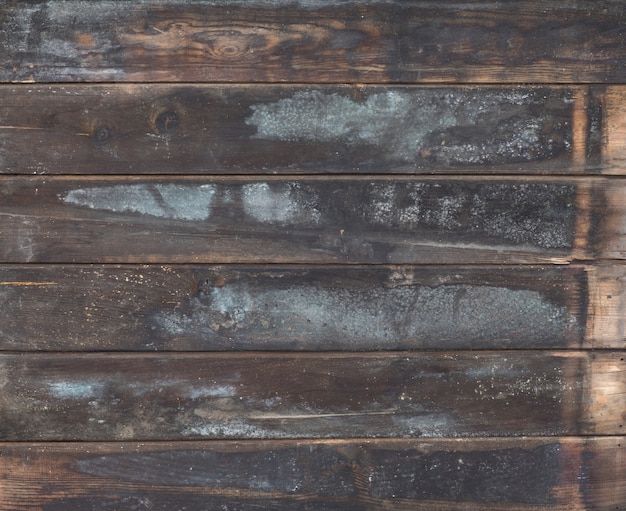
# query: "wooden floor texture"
[[306, 255]]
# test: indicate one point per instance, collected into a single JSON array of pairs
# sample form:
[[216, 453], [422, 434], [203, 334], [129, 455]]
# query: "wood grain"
[[614, 129], [268, 129], [437, 474], [307, 308], [382, 41], [270, 396], [310, 220]]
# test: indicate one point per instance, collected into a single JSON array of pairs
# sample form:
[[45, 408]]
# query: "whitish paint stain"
[[23, 246], [76, 390], [219, 391], [27, 233], [399, 123], [235, 428], [281, 203], [425, 424], [366, 318], [181, 202]]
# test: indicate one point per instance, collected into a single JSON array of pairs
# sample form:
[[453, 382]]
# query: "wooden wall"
[[312, 255]]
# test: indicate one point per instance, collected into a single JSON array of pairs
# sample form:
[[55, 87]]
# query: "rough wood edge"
[[606, 313], [614, 130], [605, 399]]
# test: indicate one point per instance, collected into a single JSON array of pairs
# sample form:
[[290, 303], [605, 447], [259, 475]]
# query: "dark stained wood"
[[310, 220], [506, 474], [243, 129], [263, 396], [238, 185], [87, 308], [313, 41]]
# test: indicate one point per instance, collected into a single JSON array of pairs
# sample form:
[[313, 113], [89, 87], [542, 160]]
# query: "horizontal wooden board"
[[294, 308], [203, 129], [263, 396], [507, 474], [310, 220], [312, 41]]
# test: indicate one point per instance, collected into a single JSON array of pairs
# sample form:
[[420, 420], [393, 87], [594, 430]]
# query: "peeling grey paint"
[[280, 203], [237, 315], [76, 390], [184, 202], [411, 127], [235, 429]]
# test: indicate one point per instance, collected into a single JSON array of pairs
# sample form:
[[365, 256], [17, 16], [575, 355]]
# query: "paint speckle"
[[283, 203], [538, 214], [468, 476], [181, 202]]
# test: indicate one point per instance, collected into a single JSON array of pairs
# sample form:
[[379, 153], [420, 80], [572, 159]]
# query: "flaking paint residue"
[[444, 127], [76, 390], [181, 202], [539, 214], [234, 428], [238, 315], [281, 203]]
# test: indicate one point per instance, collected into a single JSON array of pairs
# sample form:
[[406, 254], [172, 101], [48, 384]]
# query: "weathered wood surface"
[[402, 394], [198, 308], [614, 130], [310, 220], [507, 474], [313, 41], [243, 129]]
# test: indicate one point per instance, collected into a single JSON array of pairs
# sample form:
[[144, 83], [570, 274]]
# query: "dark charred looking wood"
[[271, 396], [505, 474], [299, 129], [309, 220], [337, 41], [204, 308]]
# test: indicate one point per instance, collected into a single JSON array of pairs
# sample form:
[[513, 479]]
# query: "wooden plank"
[[205, 308], [204, 129], [505, 474], [402, 394], [309, 220], [313, 41]]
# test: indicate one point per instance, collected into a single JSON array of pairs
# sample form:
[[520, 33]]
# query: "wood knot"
[[101, 135], [166, 122]]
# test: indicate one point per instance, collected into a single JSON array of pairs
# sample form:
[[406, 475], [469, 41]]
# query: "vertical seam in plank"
[[580, 127]]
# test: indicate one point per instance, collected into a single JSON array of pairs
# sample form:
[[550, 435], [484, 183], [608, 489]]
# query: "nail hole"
[[101, 135], [167, 122]]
